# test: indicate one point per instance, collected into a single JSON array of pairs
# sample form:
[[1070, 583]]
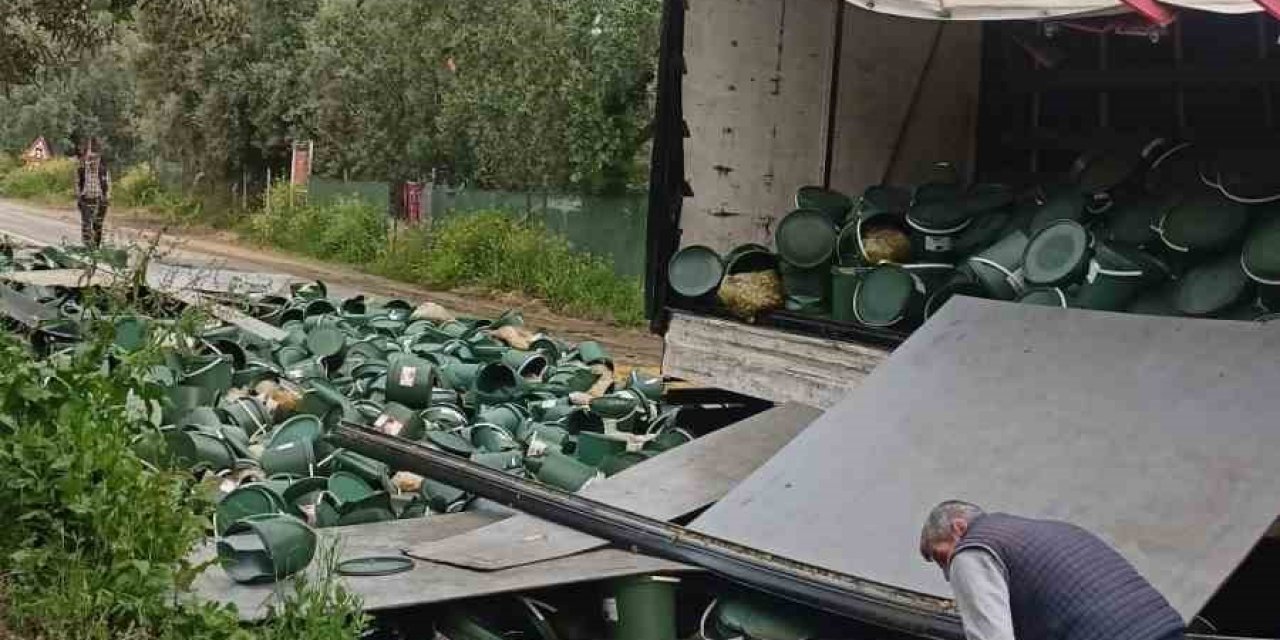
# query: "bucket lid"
[[881, 198], [300, 427], [375, 566], [1211, 287], [1045, 296], [834, 204], [1057, 254], [326, 341], [1058, 204], [1205, 222], [695, 271], [1261, 256], [805, 238], [881, 297], [936, 207]]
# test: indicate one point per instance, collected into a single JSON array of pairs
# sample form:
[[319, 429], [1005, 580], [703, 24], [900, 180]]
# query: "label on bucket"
[[389, 425], [937, 243], [611, 609], [408, 376]]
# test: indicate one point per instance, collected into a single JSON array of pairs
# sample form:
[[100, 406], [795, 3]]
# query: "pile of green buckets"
[[250, 416], [1161, 229]]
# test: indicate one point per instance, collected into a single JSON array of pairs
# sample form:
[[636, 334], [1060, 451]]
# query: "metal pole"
[[813, 586]]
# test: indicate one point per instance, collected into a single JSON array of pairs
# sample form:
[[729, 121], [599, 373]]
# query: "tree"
[[39, 34]]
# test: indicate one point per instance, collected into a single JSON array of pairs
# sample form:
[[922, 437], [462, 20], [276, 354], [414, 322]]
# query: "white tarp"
[[1031, 9]]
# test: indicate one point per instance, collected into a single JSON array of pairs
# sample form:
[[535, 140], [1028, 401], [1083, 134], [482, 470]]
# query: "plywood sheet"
[[765, 363], [1159, 434], [673, 484], [427, 582]]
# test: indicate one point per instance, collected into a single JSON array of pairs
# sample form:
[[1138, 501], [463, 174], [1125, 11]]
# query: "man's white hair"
[[937, 525]]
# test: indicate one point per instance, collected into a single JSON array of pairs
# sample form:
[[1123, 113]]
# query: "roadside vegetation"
[[96, 540], [491, 251]]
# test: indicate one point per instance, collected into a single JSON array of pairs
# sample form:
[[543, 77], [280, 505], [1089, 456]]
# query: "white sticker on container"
[[382, 419], [392, 427], [611, 609], [228, 485], [937, 243], [1092, 274], [408, 376]]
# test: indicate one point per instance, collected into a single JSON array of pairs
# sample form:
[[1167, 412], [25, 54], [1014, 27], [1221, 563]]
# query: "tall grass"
[[51, 181], [488, 250]]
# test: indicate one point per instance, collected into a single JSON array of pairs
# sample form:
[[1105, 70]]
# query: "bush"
[[8, 163], [348, 230], [496, 251], [49, 181], [95, 541], [138, 187]]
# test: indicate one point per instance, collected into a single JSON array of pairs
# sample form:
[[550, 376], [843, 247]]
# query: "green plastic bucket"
[[695, 271], [844, 282], [506, 416], [374, 472], [1056, 205], [1045, 297], [999, 267], [593, 448], [591, 352], [1260, 259], [806, 238], [1057, 255], [1204, 223], [808, 287], [211, 373], [496, 383], [248, 413], [755, 618], [246, 500], [749, 258], [492, 438], [669, 439], [564, 472], [266, 548], [443, 498], [962, 282], [509, 460], [1113, 280], [458, 376], [451, 442], [878, 199], [618, 463], [328, 343], [131, 333], [444, 417], [872, 239], [526, 364], [643, 608], [835, 205], [410, 380], [1134, 224], [1212, 288], [985, 231], [884, 296], [400, 421], [650, 386], [936, 217]]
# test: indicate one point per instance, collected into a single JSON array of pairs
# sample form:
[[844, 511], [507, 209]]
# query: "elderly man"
[[1040, 580]]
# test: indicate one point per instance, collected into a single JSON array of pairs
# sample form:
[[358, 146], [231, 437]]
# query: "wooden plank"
[[60, 278], [427, 582], [229, 315], [23, 309], [766, 363], [678, 482], [755, 101]]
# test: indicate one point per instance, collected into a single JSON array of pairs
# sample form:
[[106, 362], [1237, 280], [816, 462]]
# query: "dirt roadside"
[[631, 348]]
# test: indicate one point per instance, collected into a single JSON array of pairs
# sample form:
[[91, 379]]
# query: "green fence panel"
[[325, 191], [612, 227]]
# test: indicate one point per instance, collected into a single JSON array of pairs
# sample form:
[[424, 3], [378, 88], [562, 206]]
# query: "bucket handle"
[[1010, 277], [857, 290], [1234, 198], [1253, 276], [1158, 227]]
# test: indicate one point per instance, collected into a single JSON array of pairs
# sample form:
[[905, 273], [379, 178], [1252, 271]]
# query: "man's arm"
[[982, 594]]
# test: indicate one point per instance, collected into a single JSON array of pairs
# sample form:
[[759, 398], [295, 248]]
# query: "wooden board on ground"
[[61, 278], [673, 484], [427, 582], [765, 363], [24, 310]]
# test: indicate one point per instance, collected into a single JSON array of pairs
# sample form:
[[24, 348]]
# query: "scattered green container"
[[246, 500], [592, 352], [1212, 288], [492, 438], [593, 448], [649, 385], [562, 471], [451, 442], [751, 617], [937, 217], [806, 289], [1058, 254], [1113, 280], [1045, 297], [496, 383], [400, 421], [266, 548], [526, 364], [695, 272], [1260, 260], [643, 608], [806, 238], [210, 373], [749, 258], [885, 296], [999, 267], [410, 380], [1203, 224]]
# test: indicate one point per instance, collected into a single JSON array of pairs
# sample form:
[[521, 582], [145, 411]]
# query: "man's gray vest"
[[1067, 584]]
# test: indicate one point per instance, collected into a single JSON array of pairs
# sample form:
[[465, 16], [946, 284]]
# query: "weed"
[[49, 181], [138, 187]]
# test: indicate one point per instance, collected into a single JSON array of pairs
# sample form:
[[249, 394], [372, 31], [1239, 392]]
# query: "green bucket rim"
[[1073, 264], [896, 310], [810, 221], [695, 271]]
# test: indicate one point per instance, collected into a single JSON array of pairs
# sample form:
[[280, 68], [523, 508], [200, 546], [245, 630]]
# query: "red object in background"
[[1272, 7], [1153, 11], [413, 202], [300, 164]]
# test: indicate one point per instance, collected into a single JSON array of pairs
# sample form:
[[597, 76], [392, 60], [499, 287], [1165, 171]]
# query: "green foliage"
[[95, 540], [8, 163], [49, 181], [138, 187], [37, 33], [347, 230], [497, 252]]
